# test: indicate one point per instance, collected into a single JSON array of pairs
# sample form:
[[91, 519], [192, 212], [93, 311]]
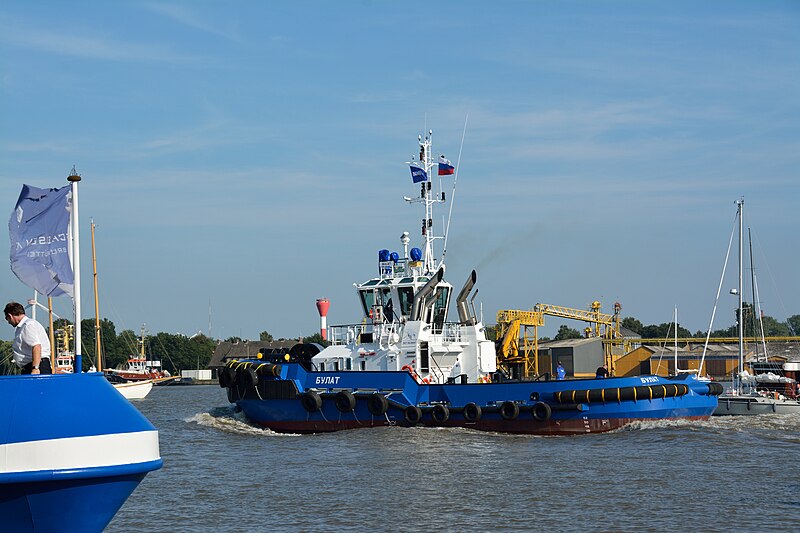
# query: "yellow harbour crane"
[[513, 327]]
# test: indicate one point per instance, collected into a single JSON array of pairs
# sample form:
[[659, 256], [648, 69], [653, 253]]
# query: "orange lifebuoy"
[[410, 370]]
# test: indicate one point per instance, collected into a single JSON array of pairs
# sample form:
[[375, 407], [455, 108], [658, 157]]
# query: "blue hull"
[[72, 505], [73, 450], [287, 398]]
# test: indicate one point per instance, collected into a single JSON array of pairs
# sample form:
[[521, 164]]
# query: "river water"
[[221, 474]]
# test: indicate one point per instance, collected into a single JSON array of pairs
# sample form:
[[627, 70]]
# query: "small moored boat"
[[134, 390]]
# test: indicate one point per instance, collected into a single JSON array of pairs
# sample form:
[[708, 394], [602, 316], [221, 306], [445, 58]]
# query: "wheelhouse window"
[[406, 299], [385, 296], [385, 299], [367, 300], [440, 307]]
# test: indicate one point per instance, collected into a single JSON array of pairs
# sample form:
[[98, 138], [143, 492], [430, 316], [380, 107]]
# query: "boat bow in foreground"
[[72, 450]]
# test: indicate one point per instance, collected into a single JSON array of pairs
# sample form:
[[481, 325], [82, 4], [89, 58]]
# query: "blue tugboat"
[[405, 364]]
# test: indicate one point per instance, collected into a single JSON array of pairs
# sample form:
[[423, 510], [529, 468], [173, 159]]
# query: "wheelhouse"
[[385, 299]]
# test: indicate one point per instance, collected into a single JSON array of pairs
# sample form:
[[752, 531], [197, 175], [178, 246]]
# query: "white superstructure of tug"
[[405, 309]]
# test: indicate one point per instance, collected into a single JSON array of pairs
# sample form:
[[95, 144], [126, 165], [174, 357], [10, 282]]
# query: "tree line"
[[178, 352], [175, 351]]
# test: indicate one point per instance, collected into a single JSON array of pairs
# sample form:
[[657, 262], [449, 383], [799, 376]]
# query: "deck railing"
[[383, 333]]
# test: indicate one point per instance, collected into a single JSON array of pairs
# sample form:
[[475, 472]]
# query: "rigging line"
[[453, 194], [719, 289], [661, 353], [760, 315], [164, 349], [129, 344], [756, 309], [775, 287], [7, 363]]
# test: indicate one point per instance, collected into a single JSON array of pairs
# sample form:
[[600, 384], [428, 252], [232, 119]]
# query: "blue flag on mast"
[[418, 173], [39, 233]]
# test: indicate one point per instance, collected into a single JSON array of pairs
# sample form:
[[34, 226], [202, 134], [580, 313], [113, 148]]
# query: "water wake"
[[788, 424], [227, 420], [647, 425]]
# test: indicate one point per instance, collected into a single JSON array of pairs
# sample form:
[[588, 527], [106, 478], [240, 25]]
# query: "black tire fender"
[[541, 411], [227, 377], [311, 401], [224, 379], [412, 414], [509, 410], [472, 412], [268, 369], [440, 413], [246, 377], [345, 401], [377, 404]]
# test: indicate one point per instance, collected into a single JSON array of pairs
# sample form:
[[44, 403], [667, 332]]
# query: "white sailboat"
[[134, 390], [745, 397]]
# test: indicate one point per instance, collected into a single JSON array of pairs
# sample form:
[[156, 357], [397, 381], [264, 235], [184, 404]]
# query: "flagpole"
[[74, 178]]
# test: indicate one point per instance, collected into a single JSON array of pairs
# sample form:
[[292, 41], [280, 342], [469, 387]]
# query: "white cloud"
[[71, 43], [192, 19]]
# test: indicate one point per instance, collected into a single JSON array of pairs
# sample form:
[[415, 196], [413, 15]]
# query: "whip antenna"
[[453, 194]]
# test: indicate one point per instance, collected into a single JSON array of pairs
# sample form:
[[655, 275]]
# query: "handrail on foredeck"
[[386, 332], [450, 332]]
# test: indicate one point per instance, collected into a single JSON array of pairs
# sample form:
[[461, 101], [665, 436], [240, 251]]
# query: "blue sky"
[[251, 155]]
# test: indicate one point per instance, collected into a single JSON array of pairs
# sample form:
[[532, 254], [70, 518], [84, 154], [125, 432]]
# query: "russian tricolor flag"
[[445, 168], [418, 173]]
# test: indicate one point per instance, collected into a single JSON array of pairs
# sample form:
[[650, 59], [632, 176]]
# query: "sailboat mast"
[[74, 178], [676, 340], [740, 203], [98, 355]]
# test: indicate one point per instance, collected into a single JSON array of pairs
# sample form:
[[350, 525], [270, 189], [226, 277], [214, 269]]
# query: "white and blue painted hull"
[[288, 398], [72, 449]]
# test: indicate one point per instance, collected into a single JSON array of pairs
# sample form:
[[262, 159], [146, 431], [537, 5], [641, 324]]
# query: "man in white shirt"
[[31, 345]]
